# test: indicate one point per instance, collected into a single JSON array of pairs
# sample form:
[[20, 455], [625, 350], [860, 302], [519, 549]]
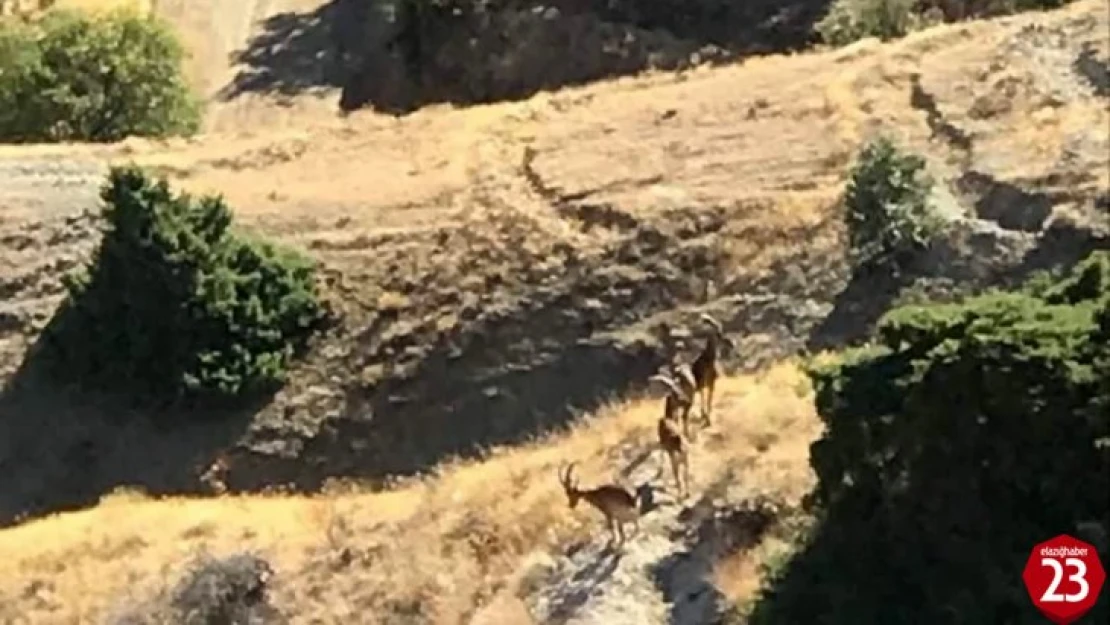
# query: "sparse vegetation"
[[230, 590], [74, 76], [851, 20], [617, 37], [13, 7], [705, 369], [415, 451], [176, 305], [966, 435], [887, 207], [428, 550]]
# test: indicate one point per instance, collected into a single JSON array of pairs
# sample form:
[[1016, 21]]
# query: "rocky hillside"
[[478, 542], [500, 270]]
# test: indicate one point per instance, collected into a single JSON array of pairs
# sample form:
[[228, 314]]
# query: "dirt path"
[[596, 584], [665, 574]]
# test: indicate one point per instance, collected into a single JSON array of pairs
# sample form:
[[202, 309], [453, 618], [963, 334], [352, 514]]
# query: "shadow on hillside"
[[685, 579], [1095, 70], [1060, 248], [464, 54], [934, 520], [951, 270], [515, 372], [528, 367], [510, 375], [61, 449], [856, 309], [297, 52], [398, 55], [587, 580]]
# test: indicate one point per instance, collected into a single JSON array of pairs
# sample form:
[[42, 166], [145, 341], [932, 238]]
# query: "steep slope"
[[481, 542], [503, 269], [500, 267]]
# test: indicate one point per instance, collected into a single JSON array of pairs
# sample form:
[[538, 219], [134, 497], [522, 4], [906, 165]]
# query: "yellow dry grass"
[[645, 144], [33, 6], [445, 544], [778, 130], [143, 6]]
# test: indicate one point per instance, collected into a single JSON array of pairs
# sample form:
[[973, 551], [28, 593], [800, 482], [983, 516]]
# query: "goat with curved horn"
[[706, 367], [671, 439], [615, 502]]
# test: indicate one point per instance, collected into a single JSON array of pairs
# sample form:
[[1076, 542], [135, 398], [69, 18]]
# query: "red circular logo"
[[1064, 577]]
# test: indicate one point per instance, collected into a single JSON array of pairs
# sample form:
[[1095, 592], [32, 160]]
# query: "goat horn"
[[711, 321], [670, 384], [572, 481]]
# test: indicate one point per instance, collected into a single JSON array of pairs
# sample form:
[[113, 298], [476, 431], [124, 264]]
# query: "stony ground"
[[502, 269], [501, 266]]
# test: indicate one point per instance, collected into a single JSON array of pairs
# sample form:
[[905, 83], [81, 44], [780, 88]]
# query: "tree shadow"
[[512, 373], [1096, 70], [685, 578], [1061, 247], [857, 308], [399, 55], [960, 262], [965, 263], [296, 52], [1009, 205], [526, 366], [62, 449], [462, 53], [583, 584]]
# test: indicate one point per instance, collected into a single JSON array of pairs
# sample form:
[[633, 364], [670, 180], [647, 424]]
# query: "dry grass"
[[105, 5], [769, 139], [739, 575], [33, 7], [644, 143], [441, 545]]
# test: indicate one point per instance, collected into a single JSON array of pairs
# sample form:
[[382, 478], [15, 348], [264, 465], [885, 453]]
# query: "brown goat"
[[615, 502], [671, 438], [215, 474], [683, 376], [705, 368]]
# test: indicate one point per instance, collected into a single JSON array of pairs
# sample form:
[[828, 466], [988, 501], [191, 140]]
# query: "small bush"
[[231, 590], [887, 207], [851, 20], [72, 76], [953, 10], [176, 305], [967, 435], [225, 590]]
